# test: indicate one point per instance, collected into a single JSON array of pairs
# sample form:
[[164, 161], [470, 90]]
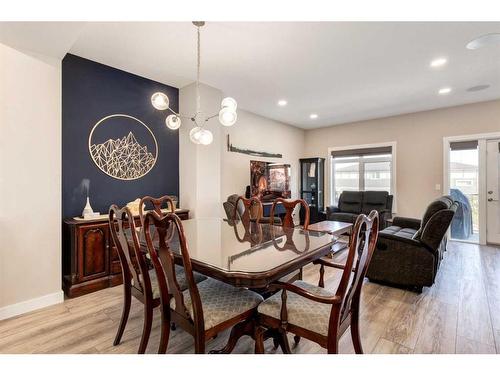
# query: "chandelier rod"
[[198, 99]]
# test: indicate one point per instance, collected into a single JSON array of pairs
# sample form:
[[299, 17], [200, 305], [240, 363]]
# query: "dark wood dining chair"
[[252, 232], [148, 203], [289, 206], [319, 314], [288, 221], [204, 309], [157, 205], [253, 210], [138, 280]]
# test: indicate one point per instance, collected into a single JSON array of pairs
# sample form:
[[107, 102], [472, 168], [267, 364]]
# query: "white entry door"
[[493, 191]]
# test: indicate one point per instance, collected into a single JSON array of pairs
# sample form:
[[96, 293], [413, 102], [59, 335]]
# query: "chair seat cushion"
[[154, 283], [221, 301], [302, 312]]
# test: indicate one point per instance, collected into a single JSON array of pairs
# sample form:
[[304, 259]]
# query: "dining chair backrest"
[[252, 231], [125, 237], [289, 206], [253, 209], [155, 204], [362, 245], [171, 238]]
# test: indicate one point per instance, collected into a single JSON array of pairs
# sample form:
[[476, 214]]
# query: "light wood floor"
[[459, 314]]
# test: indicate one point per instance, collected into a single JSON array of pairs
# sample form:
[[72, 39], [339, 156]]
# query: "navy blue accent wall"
[[91, 91]]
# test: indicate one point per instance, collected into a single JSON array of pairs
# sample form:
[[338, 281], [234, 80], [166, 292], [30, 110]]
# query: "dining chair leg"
[[127, 299], [146, 330], [356, 339], [321, 282], [259, 340], [296, 339], [276, 343], [199, 343], [333, 347], [165, 334], [285, 346]]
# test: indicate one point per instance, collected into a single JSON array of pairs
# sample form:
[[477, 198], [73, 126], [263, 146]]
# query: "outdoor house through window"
[[361, 169]]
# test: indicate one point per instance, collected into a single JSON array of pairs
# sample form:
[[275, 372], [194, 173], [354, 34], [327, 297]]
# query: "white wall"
[[259, 134], [200, 166], [209, 174], [419, 150], [30, 182]]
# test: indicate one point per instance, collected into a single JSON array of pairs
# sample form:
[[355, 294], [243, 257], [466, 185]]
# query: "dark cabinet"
[[312, 180], [93, 244], [90, 259]]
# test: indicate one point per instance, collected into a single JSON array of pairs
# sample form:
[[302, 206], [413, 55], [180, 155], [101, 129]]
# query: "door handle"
[[490, 199], [490, 192]]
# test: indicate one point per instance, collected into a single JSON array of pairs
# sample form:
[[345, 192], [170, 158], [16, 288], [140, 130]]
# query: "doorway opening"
[[472, 177], [464, 187]]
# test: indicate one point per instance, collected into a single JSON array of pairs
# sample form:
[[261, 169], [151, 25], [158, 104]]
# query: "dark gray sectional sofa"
[[353, 203]]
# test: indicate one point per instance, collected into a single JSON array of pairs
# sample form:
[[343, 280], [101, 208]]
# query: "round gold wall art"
[[123, 147]]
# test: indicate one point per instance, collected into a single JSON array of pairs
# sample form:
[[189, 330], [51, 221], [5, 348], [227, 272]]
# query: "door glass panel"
[[464, 183]]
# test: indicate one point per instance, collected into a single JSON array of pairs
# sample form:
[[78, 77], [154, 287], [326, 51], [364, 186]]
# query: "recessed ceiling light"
[[444, 91], [436, 63], [478, 88], [313, 116], [282, 102], [484, 40]]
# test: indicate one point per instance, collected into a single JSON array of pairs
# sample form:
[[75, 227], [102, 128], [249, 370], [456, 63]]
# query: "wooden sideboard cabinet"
[[89, 258]]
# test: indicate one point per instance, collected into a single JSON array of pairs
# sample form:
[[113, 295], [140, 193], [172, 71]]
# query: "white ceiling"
[[344, 72]]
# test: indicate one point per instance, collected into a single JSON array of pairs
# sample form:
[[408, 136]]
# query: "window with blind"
[[361, 169]]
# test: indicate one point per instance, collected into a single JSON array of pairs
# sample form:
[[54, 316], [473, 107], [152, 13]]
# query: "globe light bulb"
[[206, 137], [227, 116], [195, 134], [160, 101], [173, 122], [229, 103]]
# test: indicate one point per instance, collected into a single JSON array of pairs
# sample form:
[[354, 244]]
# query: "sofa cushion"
[[343, 216], [351, 201], [374, 200], [398, 232]]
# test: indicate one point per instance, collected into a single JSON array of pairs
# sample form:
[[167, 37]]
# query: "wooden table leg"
[[247, 327]]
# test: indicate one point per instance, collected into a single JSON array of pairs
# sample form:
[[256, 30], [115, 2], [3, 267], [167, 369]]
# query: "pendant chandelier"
[[199, 135]]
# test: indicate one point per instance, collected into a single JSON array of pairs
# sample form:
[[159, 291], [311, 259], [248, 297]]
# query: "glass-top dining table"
[[250, 254]]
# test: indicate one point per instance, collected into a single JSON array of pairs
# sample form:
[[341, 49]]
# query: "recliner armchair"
[[353, 203], [409, 252]]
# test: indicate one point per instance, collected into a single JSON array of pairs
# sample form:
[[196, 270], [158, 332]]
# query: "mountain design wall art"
[[123, 158]]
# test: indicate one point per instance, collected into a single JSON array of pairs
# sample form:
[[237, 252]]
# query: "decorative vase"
[[87, 210]]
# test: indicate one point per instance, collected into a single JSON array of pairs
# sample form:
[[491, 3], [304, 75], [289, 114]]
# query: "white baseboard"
[[30, 305]]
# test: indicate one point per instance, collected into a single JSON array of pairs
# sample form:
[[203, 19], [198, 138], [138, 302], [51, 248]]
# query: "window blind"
[[464, 145], [362, 152]]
